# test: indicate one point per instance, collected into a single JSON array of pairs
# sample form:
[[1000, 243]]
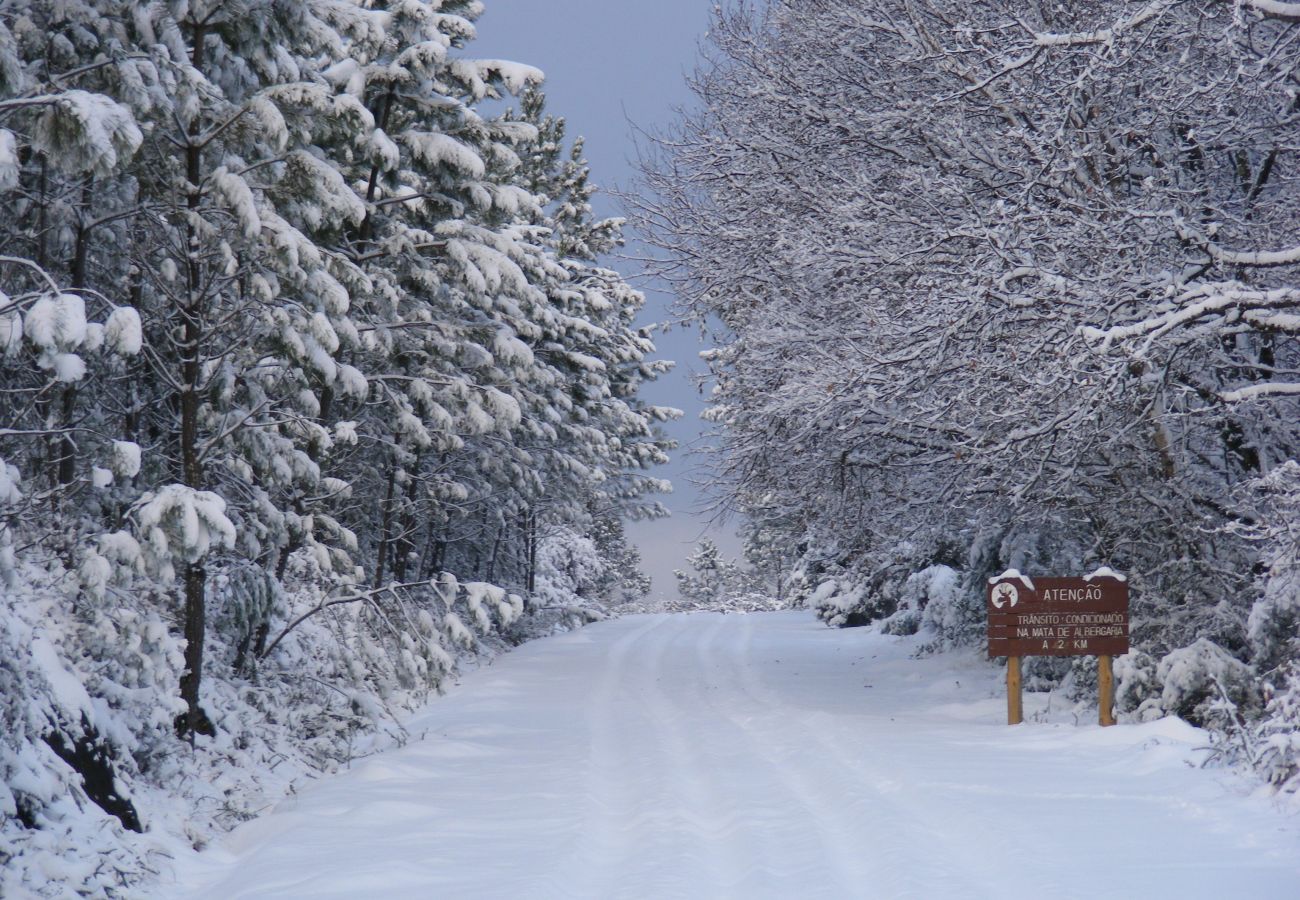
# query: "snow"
[[345, 432], [67, 367], [385, 153], [1104, 572], [515, 76], [457, 633], [352, 382], [504, 407], [95, 573], [126, 458], [56, 322], [85, 132], [66, 690], [9, 164], [9, 480], [1287, 257], [238, 197], [1260, 390], [1211, 299], [123, 331], [1105, 35], [1276, 8], [476, 73], [1013, 574], [758, 756], [180, 522], [512, 350], [11, 326], [438, 149], [94, 337]]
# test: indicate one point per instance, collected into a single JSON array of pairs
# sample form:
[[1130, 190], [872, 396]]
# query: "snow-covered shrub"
[[1048, 673], [1206, 685], [951, 612], [245, 601], [569, 568], [915, 585], [90, 682], [1137, 685], [491, 606], [743, 602], [9, 480], [31, 780], [850, 590], [1276, 737], [903, 621], [1274, 623], [838, 602]]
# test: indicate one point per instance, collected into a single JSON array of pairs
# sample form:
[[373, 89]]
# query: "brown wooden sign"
[[1057, 616]]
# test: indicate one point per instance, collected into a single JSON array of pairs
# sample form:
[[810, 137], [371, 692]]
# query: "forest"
[[319, 388], [1008, 285], [311, 383]]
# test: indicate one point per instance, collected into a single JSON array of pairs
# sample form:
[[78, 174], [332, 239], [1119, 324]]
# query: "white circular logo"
[[1005, 594]]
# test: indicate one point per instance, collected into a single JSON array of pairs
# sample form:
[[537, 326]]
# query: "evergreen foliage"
[[302, 356]]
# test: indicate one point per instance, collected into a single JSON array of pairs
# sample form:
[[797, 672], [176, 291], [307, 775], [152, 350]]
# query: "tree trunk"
[[403, 546], [492, 560], [67, 447], [381, 562], [531, 540], [195, 720]]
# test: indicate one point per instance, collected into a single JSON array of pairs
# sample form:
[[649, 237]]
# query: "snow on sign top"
[[1058, 616], [1010, 574]]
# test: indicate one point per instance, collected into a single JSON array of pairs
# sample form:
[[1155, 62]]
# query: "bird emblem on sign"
[[1005, 595]]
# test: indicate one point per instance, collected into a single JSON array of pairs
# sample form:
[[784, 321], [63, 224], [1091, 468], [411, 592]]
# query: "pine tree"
[[307, 360], [710, 578]]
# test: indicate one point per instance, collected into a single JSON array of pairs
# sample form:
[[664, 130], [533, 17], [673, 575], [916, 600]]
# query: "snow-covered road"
[[756, 756]]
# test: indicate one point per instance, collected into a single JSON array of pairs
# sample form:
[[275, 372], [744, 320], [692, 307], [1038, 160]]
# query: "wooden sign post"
[[1105, 692], [1015, 706], [1059, 617]]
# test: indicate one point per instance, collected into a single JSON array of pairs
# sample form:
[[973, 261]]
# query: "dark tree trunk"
[[195, 720], [531, 540], [381, 563], [67, 447], [492, 560], [403, 546]]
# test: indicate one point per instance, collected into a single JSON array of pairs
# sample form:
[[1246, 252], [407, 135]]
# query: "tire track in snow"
[[648, 797], [704, 757], [694, 823], [818, 835], [603, 844], [901, 842]]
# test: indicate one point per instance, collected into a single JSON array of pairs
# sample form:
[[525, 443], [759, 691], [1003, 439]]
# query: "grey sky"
[[608, 62]]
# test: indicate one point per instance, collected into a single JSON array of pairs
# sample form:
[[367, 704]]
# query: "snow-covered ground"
[[759, 756]]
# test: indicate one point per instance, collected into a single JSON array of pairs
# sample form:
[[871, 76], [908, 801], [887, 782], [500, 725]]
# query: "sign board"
[[1057, 616]]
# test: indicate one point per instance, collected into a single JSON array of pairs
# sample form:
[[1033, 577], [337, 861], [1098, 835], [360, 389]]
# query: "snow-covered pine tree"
[[221, 274], [298, 371], [611, 361], [709, 578]]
